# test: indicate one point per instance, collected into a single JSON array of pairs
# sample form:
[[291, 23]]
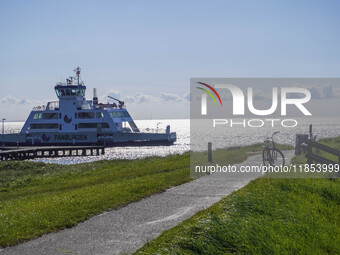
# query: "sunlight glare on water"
[[181, 127], [322, 127]]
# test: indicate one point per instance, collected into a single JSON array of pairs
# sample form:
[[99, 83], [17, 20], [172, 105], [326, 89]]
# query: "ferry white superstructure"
[[73, 120]]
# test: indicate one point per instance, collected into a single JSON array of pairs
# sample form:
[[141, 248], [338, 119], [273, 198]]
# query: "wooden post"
[[309, 154], [210, 152], [299, 139]]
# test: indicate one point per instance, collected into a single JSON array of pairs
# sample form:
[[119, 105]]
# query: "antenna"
[[77, 71]]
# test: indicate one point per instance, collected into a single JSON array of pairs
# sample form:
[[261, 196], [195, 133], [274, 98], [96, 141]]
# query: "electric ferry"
[[73, 120]]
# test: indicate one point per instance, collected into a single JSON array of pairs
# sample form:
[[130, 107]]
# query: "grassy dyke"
[[37, 198], [268, 216]]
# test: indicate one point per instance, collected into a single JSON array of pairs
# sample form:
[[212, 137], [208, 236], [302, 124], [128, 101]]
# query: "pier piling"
[[49, 152]]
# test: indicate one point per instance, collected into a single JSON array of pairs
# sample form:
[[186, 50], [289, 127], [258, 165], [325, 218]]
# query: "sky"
[[145, 52]]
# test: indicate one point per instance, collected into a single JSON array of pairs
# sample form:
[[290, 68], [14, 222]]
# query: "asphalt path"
[[127, 229]]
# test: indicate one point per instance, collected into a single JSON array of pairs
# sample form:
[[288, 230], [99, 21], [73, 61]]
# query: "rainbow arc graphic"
[[209, 93]]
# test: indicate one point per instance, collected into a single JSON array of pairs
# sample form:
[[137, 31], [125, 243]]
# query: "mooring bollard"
[[210, 152]]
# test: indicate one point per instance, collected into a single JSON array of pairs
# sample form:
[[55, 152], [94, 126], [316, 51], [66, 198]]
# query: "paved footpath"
[[127, 229]]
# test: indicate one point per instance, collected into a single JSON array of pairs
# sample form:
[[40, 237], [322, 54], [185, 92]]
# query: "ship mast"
[[77, 71]]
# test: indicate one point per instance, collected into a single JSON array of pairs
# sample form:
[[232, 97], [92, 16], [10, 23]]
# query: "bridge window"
[[62, 92], [70, 92], [58, 91], [37, 116], [85, 115], [80, 92], [119, 114]]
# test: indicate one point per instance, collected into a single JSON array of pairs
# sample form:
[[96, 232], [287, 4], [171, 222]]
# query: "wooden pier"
[[13, 153]]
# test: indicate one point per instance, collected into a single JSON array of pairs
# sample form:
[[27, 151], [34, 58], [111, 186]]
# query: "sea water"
[[322, 127]]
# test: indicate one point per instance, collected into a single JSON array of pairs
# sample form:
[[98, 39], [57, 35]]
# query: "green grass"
[[268, 216], [37, 198], [331, 142]]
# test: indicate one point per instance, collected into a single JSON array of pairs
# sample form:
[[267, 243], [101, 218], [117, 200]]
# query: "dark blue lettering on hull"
[[69, 137]]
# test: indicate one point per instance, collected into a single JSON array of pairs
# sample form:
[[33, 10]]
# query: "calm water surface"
[[181, 127], [323, 127]]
